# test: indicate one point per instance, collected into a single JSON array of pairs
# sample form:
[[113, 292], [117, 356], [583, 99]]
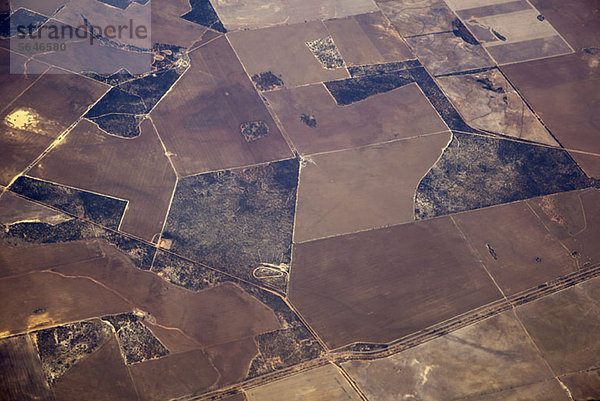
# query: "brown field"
[[565, 327], [220, 314], [380, 285], [173, 376], [588, 163], [21, 372], [578, 22], [14, 209], [526, 254], [13, 75], [79, 56], [565, 93], [363, 188], [174, 340], [368, 39], [232, 360], [200, 120], [401, 113], [283, 51], [321, 384], [169, 27], [487, 357], [574, 218], [43, 299], [260, 13], [101, 376], [584, 385], [133, 169], [28, 258], [548, 390], [39, 115]]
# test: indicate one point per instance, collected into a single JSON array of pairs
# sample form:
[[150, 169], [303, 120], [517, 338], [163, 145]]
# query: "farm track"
[[377, 351]]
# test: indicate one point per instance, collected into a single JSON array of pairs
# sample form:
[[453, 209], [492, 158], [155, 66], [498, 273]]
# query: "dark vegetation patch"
[[347, 91], [62, 347], [325, 50], [97, 208], [21, 17], [186, 274], [236, 220], [476, 172], [267, 81], [254, 130], [204, 14], [121, 109], [137, 342], [376, 69], [280, 349], [288, 346], [309, 120], [460, 30], [487, 84], [140, 253], [498, 35]]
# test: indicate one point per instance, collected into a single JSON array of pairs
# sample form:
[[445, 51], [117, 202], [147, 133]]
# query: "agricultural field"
[[254, 200]]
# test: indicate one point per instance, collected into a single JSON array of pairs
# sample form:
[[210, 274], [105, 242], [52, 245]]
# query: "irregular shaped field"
[[359, 189], [488, 102], [477, 171], [136, 170]]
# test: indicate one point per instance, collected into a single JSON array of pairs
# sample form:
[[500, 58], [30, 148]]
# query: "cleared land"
[[134, 169], [487, 357], [233, 360], [377, 286], [16, 75], [27, 258], [584, 385], [169, 27], [367, 39], [283, 51], [14, 209], [574, 218], [487, 101], [43, 299], [565, 92], [514, 245], [39, 115], [101, 376], [400, 113], [577, 22], [173, 376], [446, 53], [321, 384], [564, 326], [418, 17], [21, 371], [200, 120], [363, 188], [242, 14]]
